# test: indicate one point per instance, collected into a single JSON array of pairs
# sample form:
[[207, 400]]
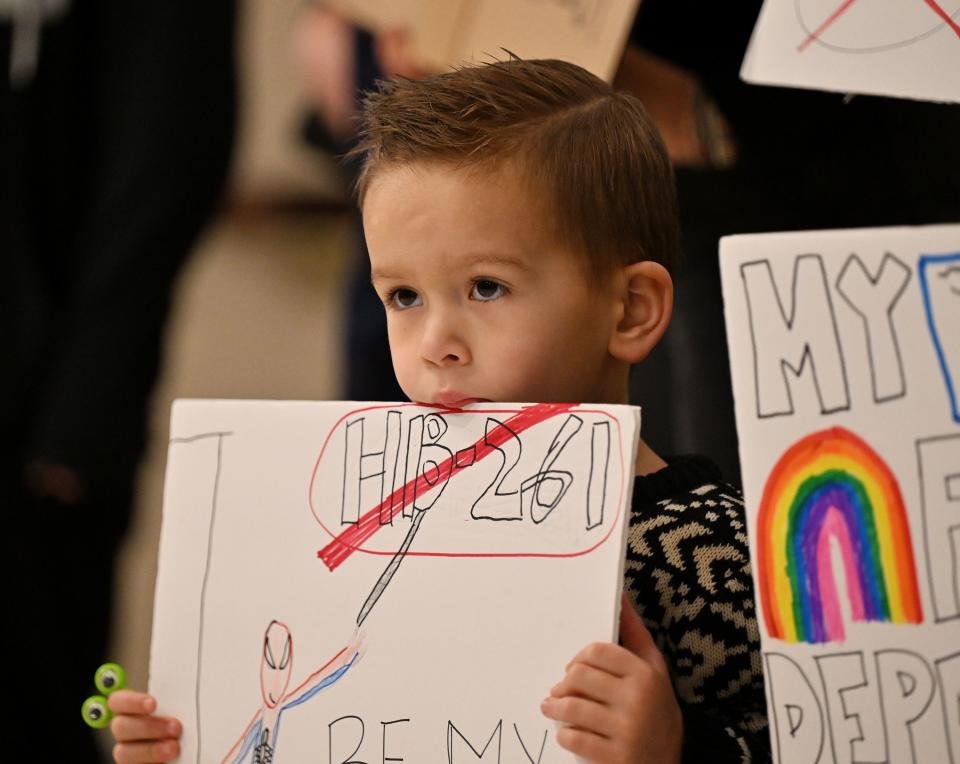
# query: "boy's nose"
[[443, 344]]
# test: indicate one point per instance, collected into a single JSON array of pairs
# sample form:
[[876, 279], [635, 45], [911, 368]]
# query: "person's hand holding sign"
[[618, 701]]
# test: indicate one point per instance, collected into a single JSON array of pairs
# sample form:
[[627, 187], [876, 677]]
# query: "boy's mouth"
[[454, 399]]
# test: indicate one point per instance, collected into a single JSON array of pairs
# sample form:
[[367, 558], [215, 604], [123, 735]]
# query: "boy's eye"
[[486, 289], [403, 298]]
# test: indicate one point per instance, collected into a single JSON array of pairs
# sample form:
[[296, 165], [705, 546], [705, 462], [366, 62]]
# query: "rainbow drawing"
[[831, 484]]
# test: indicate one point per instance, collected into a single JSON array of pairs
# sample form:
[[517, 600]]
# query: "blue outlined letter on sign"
[[940, 285]]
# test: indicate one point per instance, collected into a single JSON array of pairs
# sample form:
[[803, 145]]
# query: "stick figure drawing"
[[259, 740]]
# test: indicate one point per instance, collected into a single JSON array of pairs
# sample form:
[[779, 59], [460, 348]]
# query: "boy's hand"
[[618, 701], [142, 738]]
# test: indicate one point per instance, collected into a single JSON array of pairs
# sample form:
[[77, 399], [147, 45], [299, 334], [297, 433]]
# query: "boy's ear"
[[646, 301]]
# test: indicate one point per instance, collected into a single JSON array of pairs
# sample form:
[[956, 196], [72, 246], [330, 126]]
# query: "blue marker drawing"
[[940, 286], [258, 742]]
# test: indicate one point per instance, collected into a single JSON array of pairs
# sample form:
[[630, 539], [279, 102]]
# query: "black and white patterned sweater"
[[688, 574]]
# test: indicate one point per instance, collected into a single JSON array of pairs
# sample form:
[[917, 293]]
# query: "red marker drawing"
[[845, 6]]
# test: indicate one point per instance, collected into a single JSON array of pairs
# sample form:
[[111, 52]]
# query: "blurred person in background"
[[116, 123], [339, 62]]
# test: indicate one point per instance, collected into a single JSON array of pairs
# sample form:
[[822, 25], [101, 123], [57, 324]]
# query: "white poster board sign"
[[383, 582], [907, 49], [845, 355], [444, 33]]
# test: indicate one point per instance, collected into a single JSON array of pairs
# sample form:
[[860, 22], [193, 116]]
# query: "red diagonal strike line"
[[932, 4], [938, 9], [826, 24], [348, 542]]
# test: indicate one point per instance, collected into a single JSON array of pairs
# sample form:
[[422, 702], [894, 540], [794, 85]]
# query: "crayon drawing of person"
[[259, 740]]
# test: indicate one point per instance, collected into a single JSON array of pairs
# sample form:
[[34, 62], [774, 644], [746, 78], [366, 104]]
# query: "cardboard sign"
[[591, 33], [384, 582], [908, 49], [845, 354]]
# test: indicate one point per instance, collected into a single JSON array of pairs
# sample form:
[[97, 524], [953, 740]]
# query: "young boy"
[[521, 223]]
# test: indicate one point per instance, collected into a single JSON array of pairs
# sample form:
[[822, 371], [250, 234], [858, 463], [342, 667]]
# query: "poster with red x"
[[906, 49]]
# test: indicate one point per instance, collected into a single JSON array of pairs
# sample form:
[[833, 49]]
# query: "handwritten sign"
[[384, 582], [845, 355], [908, 49], [591, 33]]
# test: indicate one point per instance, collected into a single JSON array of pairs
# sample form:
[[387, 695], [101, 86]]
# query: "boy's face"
[[483, 303]]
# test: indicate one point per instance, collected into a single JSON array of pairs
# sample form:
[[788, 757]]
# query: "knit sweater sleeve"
[[688, 574]]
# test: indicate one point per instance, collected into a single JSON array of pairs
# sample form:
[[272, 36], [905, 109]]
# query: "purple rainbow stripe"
[[841, 493]]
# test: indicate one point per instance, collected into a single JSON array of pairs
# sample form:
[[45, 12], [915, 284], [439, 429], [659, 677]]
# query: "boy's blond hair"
[[592, 152]]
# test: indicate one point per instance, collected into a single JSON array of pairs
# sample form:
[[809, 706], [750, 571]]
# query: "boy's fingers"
[[127, 728], [582, 713], [635, 636], [131, 702], [604, 656], [586, 745], [155, 752], [617, 660], [588, 682]]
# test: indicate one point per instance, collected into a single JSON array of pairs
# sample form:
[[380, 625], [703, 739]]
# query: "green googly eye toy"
[[95, 712], [110, 677]]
